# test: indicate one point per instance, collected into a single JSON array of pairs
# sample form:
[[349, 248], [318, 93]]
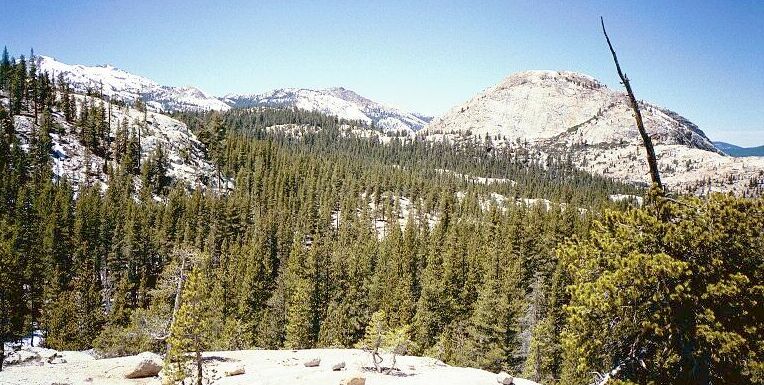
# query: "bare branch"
[[651, 160]]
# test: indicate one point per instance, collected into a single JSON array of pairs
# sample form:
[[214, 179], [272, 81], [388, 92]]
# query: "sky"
[[702, 59]]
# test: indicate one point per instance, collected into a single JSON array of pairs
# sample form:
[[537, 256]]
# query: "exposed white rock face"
[[122, 85], [567, 107], [548, 112], [682, 168], [339, 102], [560, 112]]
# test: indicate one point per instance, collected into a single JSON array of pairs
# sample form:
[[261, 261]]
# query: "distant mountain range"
[[338, 101], [540, 113], [731, 149]]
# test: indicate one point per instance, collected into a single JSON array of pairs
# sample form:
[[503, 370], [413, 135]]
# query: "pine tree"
[[5, 70], [664, 294], [13, 312], [119, 313], [17, 86], [40, 148], [492, 333], [191, 329], [380, 336], [299, 317]]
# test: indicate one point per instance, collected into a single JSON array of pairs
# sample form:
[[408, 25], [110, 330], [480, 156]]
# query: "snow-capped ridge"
[[336, 101], [122, 85]]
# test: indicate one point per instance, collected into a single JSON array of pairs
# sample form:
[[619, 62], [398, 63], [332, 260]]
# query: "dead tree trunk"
[[651, 160], [199, 371], [178, 294]]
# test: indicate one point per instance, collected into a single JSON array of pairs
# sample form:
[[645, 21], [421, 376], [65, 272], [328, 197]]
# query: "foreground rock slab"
[[262, 367]]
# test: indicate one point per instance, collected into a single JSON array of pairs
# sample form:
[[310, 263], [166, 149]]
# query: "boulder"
[[313, 363], [504, 378], [355, 380], [147, 365], [338, 366], [45, 354], [20, 357], [233, 369], [56, 360]]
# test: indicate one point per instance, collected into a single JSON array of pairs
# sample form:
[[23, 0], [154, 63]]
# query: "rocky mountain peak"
[[563, 113], [548, 78]]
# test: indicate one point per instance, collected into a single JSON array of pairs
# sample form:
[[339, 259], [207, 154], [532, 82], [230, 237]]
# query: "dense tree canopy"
[[672, 296]]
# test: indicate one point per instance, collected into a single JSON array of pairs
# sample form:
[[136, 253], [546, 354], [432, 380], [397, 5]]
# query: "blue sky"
[[703, 59]]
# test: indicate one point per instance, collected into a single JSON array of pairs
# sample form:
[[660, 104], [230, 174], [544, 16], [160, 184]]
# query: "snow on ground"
[[476, 179], [682, 168], [71, 159], [403, 209], [346, 130], [262, 367], [626, 197], [32, 340]]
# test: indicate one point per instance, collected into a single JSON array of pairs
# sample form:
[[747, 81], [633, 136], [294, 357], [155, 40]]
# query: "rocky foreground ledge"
[[242, 367]]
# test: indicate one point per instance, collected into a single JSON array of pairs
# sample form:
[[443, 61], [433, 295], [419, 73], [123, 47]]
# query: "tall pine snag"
[[648, 143]]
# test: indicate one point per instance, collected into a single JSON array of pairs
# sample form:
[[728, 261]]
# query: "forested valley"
[[538, 273]]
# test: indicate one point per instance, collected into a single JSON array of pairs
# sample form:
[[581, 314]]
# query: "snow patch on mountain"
[[391, 210], [122, 85], [476, 179], [71, 160]]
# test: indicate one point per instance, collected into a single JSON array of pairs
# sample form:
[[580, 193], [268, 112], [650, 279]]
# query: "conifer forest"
[[317, 237]]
